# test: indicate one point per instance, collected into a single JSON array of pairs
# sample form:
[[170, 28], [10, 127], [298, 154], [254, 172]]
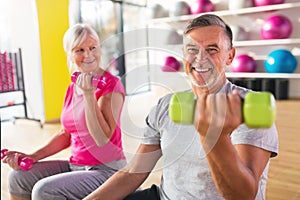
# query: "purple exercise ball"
[[202, 6], [243, 63], [171, 64], [276, 27], [267, 2]]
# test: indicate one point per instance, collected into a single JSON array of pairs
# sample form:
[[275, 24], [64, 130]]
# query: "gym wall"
[[53, 22]]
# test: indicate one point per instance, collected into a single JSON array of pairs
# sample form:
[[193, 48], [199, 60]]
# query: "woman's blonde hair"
[[74, 36]]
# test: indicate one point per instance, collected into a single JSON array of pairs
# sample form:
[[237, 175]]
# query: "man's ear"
[[230, 56]]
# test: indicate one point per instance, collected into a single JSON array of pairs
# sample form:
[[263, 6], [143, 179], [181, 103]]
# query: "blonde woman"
[[90, 127]]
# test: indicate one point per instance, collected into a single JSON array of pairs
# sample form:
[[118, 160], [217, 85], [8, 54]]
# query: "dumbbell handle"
[[259, 109], [98, 81], [24, 163]]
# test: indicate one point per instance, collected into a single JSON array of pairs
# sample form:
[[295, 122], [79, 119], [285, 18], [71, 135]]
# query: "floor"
[[26, 135], [284, 174]]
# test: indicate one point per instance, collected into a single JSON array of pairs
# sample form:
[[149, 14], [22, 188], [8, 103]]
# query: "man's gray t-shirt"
[[186, 173]]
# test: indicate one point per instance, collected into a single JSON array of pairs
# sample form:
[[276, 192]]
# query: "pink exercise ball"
[[243, 63], [171, 64], [202, 6], [276, 27], [267, 2]]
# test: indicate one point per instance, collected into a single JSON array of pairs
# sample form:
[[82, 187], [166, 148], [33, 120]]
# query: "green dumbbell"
[[259, 109]]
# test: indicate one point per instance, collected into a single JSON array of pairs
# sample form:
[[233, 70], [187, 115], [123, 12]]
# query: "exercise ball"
[[171, 64], [239, 33], [239, 4], [174, 37], [202, 6], [280, 61], [276, 27], [179, 8], [267, 2], [157, 11], [243, 63]]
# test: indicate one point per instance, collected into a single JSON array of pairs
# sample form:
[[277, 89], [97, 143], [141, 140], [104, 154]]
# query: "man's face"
[[206, 54]]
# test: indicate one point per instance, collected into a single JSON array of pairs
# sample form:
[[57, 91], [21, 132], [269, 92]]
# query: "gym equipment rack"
[[12, 80]]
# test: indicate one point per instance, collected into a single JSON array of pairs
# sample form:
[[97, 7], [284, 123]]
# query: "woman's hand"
[[12, 159], [84, 82]]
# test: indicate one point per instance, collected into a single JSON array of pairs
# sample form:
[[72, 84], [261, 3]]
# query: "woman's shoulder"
[[112, 84], [109, 75]]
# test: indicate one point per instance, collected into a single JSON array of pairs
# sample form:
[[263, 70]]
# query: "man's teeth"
[[201, 70]]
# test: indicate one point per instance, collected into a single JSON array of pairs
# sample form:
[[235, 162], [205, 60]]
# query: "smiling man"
[[216, 158]]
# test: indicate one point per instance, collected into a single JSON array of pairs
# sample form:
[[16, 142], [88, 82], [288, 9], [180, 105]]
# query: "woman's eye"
[[79, 50]]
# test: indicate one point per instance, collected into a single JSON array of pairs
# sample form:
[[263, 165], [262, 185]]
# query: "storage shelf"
[[244, 75], [261, 47], [16, 73], [17, 90], [248, 43], [15, 104], [243, 11], [262, 75], [266, 42]]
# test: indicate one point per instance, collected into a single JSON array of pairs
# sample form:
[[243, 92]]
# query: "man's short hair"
[[209, 20]]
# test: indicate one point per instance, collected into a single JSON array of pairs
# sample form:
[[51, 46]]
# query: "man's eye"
[[212, 51], [193, 51]]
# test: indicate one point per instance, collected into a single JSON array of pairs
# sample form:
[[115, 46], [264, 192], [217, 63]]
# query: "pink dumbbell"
[[24, 163], [98, 81]]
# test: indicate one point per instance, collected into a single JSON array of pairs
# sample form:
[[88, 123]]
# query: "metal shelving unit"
[[12, 81], [256, 47]]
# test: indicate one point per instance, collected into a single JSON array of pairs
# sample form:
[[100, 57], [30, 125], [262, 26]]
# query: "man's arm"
[[236, 170], [127, 180]]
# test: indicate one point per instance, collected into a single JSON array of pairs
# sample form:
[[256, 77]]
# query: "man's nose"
[[202, 56]]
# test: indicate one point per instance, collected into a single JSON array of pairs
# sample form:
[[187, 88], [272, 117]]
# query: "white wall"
[[19, 29]]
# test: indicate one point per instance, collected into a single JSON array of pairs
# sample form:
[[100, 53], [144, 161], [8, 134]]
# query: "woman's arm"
[[59, 142], [102, 115]]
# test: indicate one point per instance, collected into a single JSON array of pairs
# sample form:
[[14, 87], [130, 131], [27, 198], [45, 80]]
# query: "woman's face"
[[87, 55]]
